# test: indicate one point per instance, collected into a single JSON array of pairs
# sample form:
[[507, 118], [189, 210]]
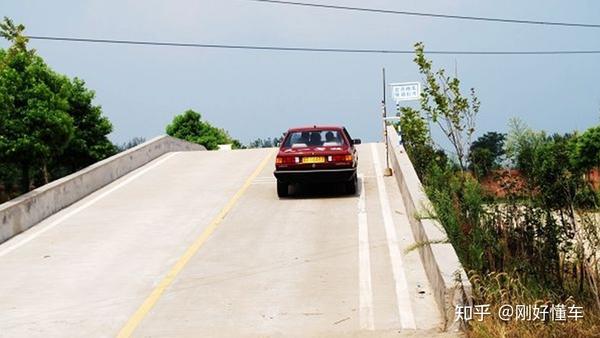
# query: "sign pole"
[[387, 171], [399, 115]]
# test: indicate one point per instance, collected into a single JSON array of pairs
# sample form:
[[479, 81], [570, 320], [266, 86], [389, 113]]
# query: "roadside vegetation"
[[51, 127], [190, 127], [521, 209], [49, 124], [266, 143]]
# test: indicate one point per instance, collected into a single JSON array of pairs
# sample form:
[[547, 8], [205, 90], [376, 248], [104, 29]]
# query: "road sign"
[[406, 91]]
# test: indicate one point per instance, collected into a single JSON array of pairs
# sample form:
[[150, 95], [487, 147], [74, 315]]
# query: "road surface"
[[198, 244]]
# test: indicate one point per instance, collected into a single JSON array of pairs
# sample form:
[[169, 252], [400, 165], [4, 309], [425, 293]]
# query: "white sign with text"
[[406, 91]]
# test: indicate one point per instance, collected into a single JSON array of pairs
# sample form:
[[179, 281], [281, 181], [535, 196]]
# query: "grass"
[[520, 251], [497, 289]]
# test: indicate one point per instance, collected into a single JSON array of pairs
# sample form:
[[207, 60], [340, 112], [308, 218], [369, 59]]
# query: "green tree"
[[131, 143], [9, 180], [486, 152], [260, 143], [236, 144], [553, 179], [266, 143], [444, 104], [50, 127], [35, 123], [587, 149], [413, 128], [417, 141], [90, 141], [190, 127]]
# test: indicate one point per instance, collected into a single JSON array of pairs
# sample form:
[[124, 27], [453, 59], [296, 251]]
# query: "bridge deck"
[[319, 263]]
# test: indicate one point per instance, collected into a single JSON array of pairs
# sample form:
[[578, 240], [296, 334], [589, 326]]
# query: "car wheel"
[[282, 189], [351, 186]]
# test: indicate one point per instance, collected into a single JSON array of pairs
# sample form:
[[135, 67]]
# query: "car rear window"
[[314, 138]]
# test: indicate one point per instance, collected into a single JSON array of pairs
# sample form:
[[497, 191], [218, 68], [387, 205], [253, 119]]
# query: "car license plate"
[[313, 159]]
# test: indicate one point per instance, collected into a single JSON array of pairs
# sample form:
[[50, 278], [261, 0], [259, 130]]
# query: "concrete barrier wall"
[[442, 266], [21, 213]]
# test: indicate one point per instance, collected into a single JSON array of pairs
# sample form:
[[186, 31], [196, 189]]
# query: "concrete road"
[[198, 244]]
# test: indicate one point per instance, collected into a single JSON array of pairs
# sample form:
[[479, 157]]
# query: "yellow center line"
[[135, 320]]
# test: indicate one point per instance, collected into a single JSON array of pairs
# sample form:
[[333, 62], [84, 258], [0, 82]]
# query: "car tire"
[[351, 186], [282, 189]]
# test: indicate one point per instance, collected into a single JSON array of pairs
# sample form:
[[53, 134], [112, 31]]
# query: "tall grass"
[[537, 245]]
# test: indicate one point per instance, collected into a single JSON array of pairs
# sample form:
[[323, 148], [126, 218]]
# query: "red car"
[[316, 154]]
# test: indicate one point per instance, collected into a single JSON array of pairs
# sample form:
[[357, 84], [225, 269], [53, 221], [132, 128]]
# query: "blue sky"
[[258, 94]]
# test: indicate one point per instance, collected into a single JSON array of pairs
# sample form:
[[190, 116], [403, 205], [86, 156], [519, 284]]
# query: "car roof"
[[316, 127]]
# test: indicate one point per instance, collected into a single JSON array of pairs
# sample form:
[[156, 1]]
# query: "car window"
[[314, 138]]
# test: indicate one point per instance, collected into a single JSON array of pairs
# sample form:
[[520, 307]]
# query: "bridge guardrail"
[[21, 213], [445, 272]]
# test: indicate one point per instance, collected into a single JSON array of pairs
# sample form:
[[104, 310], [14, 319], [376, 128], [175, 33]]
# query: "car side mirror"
[[356, 141]]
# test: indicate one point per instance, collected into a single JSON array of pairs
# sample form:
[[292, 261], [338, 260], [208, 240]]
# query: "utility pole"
[[387, 171]]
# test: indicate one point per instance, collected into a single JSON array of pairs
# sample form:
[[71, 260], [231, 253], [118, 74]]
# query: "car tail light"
[[341, 158], [286, 160]]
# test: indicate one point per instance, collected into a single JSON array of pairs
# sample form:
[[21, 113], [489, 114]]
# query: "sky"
[[256, 94]]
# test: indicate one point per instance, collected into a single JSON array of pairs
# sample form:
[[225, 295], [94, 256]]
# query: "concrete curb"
[[23, 212], [445, 273]]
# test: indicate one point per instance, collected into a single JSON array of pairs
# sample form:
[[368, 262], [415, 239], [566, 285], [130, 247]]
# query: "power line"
[[306, 49], [433, 15]]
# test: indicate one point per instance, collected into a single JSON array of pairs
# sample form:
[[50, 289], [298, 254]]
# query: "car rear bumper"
[[315, 176]]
